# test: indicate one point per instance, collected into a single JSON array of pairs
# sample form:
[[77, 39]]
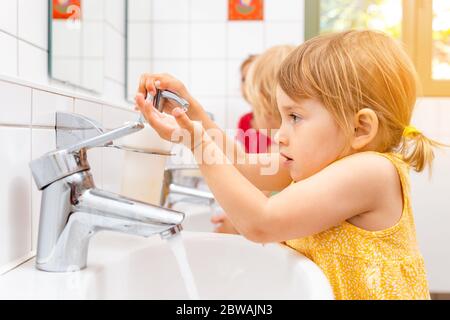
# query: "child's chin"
[[295, 176]]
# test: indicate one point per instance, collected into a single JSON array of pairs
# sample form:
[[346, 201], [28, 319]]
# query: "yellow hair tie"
[[410, 132]]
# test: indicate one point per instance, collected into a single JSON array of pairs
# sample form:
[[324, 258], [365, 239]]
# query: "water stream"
[[177, 246]]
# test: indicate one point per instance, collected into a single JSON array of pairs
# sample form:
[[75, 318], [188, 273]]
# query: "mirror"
[[86, 43]]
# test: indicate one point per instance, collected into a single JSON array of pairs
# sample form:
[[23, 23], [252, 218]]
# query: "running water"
[[177, 246]]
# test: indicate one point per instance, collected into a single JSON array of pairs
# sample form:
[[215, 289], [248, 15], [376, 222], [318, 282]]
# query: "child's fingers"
[[182, 119], [218, 218], [163, 81], [150, 86], [143, 81], [145, 108]]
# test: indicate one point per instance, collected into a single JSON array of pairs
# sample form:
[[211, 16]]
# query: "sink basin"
[[128, 267]]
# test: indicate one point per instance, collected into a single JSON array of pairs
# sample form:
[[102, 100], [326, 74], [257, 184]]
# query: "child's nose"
[[280, 138]]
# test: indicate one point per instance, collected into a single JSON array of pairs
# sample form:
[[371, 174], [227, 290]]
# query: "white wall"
[[430, 197], [193, 40]]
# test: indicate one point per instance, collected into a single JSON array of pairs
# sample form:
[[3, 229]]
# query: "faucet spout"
[[140, 218]]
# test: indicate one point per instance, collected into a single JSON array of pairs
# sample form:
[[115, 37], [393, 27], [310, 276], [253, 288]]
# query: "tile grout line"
[[22, 39]]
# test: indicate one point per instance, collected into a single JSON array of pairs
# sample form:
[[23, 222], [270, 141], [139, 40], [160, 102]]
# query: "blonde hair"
[[353, 70], [261, 83], [247, 61]]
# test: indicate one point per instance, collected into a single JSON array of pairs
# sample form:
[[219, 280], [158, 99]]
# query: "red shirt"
[[253, 140]]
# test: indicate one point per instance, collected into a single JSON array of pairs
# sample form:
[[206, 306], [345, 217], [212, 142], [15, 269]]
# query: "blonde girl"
[[346, 142], [260, 86]]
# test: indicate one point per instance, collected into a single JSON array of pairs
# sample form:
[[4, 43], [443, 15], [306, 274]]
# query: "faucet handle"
[[75, 132], [107, 138], [161, 95], [72, 128]]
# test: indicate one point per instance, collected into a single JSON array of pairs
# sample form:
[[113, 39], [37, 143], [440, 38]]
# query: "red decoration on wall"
[[67, 9], [245, 10]]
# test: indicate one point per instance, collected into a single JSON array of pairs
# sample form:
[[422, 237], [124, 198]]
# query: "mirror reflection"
[[81, 32]]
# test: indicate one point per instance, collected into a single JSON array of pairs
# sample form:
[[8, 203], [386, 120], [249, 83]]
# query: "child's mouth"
[[286, 161]]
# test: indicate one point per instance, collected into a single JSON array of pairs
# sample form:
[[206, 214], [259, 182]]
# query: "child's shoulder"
[[379, 175], [381, 164], [378, 170]]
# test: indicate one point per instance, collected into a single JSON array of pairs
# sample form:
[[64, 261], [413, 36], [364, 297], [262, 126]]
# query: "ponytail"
[[417, 149]]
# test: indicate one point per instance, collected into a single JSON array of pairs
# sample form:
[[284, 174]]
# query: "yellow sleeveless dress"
[[362, 264]]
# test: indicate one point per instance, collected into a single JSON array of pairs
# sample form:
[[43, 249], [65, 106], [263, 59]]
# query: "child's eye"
[[294, 117]]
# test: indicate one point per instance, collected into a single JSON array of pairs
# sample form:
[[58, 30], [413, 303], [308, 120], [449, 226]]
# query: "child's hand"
[[148, 83], [223, 223], [176, 128]]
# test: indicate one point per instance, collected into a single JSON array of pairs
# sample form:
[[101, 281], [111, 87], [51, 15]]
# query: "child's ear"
[[366, 128]]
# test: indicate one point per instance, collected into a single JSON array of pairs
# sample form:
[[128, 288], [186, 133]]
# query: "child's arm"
[[250, 165], [345, 189]]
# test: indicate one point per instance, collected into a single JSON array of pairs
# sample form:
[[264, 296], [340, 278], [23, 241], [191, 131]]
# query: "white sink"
[[128, 267]]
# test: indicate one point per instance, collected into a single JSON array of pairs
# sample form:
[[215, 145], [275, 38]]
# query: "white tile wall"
[[135, 69], [140, 10], [284, 10], [46, 104], [114, 91], [115, 55], [215, 47], [8, 21], [177, 68], [94, 10], [207, 40], [139, 44], [208, 77], [115, 117], [32, 63], [32, 22], [16, 104], [280, 33], [92, 76], [71, 37], [15, 198], [92, 39], [115, 14], [8, 62], [170, 10], [207, 10], [170, 40], [244, 38]]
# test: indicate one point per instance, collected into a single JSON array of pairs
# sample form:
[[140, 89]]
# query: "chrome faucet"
[[176, 185], [73, 209]]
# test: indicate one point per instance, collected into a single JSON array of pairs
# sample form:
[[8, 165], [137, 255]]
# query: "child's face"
[[309, 138]]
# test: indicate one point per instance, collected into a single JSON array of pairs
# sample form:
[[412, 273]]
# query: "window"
[[422, 25]]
